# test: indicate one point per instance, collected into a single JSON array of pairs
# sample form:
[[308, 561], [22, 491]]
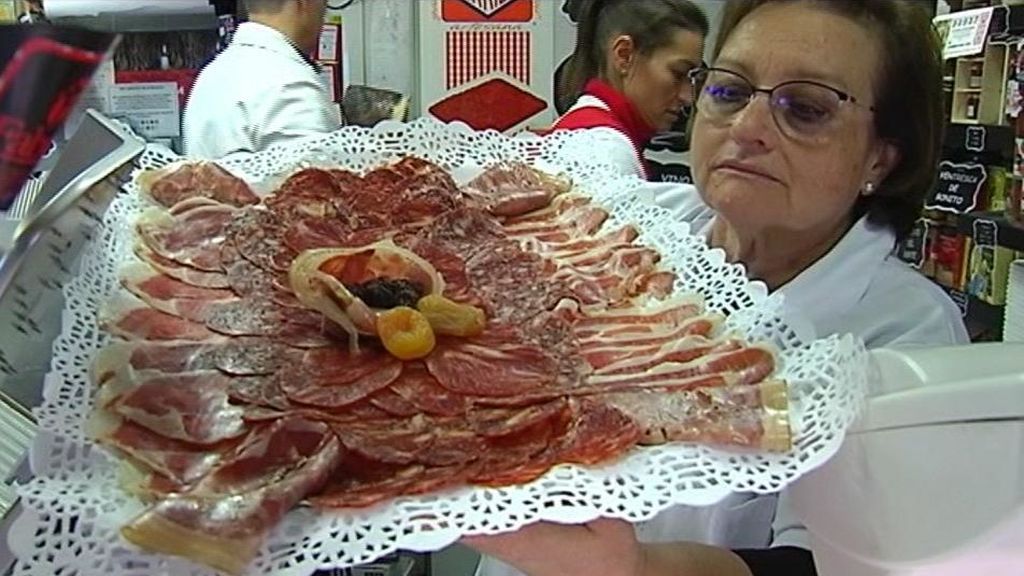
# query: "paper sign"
[[329, 77], [151, 107], [965, 31], [330, 40]]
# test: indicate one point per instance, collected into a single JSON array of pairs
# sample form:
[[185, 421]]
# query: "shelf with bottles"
[[979, 87]]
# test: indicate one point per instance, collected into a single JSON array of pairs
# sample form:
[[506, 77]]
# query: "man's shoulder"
[[248, 67]]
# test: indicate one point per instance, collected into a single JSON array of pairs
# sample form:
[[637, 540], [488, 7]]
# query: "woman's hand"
[[606, 547]]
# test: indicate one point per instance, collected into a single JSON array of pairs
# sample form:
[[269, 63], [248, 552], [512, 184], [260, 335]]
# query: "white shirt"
[[859, 287], [617, 149], [258, 92]]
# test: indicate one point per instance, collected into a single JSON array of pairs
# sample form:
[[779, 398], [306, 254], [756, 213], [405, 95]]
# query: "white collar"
[[837, 281], [262, 36]]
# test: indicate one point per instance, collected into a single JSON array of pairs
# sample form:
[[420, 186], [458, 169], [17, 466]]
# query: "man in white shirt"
[[263, 89]]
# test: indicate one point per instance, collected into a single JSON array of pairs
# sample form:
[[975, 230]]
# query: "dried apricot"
[[451, 318], [405, 333]]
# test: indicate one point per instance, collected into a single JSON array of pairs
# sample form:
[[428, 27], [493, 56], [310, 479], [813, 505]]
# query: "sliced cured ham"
[[144, 355], [169, 186], [131, 319], [191, 239], [192, 406], [514, 189], [226, 530], [172, 296], [181, 272], [180, 463], [752, 416]]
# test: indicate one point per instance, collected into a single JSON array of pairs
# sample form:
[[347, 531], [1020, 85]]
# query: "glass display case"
[[39, 245]]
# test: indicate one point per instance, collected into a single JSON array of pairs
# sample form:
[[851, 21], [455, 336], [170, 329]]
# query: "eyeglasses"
[[802, 109]]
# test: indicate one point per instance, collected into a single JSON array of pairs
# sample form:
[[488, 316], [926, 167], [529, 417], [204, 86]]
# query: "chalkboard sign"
[[974, 139], [958, 187], [986, 233], [913, 251], [960, 299]]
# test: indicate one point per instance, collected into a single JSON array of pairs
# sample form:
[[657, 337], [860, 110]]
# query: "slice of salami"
[[390, 402], [359, 482], [397, 443], [253, 356], [496, 422], [521, 456], [258, 234], [419, 387], [251, 317], [260, 391], [599, 432], [333, 378], [453, 445], [435, 478]]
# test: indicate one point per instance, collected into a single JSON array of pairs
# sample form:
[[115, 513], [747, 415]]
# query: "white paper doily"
[[73, 508]]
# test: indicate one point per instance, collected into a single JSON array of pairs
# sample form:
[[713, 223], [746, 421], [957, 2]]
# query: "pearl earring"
[[869, 188]]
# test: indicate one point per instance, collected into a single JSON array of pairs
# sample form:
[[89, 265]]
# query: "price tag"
[[958, 187], [965, 31], [913, 251], [974, 139], [986, 233]]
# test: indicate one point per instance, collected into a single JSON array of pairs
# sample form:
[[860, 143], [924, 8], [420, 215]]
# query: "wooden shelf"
[[997, 142], [1010, 234]]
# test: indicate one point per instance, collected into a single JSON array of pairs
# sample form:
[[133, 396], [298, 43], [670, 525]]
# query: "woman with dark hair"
[[816, 138], [628, 75]]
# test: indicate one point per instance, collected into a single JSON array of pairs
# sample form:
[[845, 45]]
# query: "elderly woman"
[[629, 73], [816, 138]]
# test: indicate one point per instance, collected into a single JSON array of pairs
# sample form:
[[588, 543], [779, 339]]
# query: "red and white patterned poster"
[[471, 54], [487, 63], [461, 11]]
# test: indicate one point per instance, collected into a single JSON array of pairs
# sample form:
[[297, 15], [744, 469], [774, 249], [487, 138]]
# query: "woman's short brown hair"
[[909, 100]]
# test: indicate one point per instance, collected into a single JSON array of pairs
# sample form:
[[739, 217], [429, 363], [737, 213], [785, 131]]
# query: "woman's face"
[[760, 178], [658, 84]]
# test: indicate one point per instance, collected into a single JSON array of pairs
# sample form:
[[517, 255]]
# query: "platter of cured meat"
[[389, 338]]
